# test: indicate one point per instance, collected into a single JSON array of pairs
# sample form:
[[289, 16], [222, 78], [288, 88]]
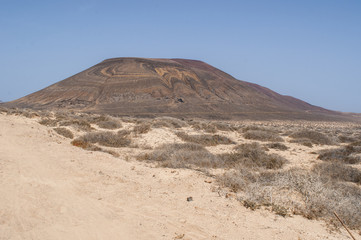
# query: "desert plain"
[[85, 176]]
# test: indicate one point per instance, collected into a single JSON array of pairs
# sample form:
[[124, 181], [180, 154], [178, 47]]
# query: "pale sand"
[[52, 190]]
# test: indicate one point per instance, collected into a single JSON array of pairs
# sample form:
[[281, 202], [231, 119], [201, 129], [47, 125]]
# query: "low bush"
[[277, 145], [345, 154], [338, 171], [108, 139], [109, 124], [205, 139], [346, 138], [314, 137], [298, 191], [48, 122], [207, 127], [302, 141], [91, 147], [253, 156], [64, 132], [222, 126], [262, 135], [186, 155], [79, 124], [142, 128], [168, 122]]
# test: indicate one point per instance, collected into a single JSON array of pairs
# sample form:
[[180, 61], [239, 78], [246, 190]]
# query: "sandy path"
[[51, 190]]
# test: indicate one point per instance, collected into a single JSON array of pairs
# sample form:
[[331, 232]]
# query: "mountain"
[[173, 87]]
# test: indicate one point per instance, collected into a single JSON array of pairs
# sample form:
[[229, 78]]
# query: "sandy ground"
[[52, 190]]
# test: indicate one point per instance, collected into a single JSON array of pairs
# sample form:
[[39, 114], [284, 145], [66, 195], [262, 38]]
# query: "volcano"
[[172, 87]]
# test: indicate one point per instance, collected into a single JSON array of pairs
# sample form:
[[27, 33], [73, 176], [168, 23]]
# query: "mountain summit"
[[173, 87]]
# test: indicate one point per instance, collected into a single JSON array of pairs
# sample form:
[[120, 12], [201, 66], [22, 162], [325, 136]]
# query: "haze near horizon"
[[309, 50]]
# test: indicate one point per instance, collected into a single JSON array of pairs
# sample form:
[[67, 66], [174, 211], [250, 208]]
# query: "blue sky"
[[307, 49]]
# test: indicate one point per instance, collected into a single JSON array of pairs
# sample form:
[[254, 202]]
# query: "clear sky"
[[307, 49]]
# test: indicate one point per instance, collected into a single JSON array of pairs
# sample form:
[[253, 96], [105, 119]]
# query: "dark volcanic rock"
[[175, 87]]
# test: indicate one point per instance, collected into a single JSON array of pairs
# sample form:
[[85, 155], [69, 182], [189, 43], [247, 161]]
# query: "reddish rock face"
[[175, 87]]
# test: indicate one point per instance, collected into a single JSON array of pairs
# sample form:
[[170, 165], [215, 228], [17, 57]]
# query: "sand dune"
[[52, 190]]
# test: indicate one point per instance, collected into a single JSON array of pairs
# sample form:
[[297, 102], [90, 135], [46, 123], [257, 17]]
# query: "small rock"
[[189, 199]]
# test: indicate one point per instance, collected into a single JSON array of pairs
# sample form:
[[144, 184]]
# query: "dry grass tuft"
[[253, 155], [64, 132], [186, 155], [205, 139], [314, 137]]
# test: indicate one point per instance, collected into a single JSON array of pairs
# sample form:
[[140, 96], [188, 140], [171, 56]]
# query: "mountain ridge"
[[175, 87]]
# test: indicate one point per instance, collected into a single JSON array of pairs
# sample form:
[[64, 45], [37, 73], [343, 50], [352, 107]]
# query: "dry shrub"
[[253, 128], [207, 127], [279, 146], [339, 171], [109, 124], [108, 139], [302, 141], [3, 110], [205, 139], [186, 155], [48, 122], [168, 122], [91, 147], [23, 112], [299, 192], [314, 137], [79, 142], [64, 132], [346, 154], [262, 135], [142, 128], [129, 119], [79, 124], [346, 138], [222, 126], [253, 155]]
